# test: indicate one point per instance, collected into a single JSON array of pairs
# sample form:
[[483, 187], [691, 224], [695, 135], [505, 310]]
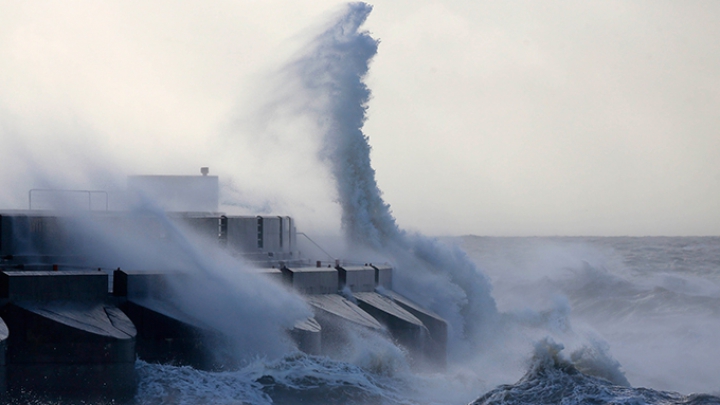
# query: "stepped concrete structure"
[[68, 327]]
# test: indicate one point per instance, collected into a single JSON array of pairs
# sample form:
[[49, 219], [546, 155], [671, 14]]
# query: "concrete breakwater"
[[69, 327], [66, 333]]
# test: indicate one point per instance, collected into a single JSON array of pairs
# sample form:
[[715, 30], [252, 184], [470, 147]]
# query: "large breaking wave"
[[331, 74]]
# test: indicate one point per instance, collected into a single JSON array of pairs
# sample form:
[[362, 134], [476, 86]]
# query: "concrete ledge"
[[166, 333], [53, 285]]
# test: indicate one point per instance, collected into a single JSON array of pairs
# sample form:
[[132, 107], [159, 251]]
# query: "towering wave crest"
[[332, 74]]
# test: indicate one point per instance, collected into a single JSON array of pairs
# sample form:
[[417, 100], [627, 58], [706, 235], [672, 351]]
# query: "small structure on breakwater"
[[67, 326]]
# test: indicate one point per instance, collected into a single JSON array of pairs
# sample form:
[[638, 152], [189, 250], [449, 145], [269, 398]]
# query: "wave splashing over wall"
[[331, 75]]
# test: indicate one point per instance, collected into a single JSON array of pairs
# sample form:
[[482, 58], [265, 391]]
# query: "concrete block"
[[312, 280], [357, 278], [383, 276]]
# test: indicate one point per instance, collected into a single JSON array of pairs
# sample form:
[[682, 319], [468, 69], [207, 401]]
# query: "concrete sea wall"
[[62, 332]]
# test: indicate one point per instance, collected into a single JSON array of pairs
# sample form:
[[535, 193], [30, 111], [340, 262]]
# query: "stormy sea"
[[581, 320], [571, 320]]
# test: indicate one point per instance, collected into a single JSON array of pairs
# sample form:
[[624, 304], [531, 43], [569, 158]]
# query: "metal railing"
[[318, 246]]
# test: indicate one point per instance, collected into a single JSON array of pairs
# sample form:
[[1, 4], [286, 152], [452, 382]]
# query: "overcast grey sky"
[[489, 118]]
